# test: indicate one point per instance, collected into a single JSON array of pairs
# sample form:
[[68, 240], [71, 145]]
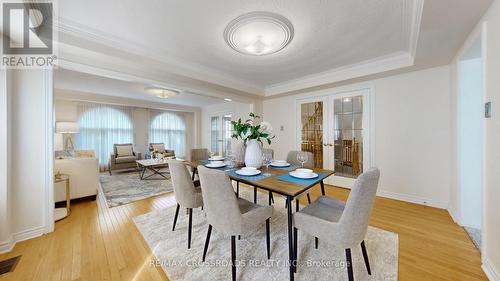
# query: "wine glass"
[[211, 154], [266, 160], [302, 158]]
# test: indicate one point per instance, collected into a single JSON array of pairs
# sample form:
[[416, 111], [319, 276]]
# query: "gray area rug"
[[126, 187], [325, 263]]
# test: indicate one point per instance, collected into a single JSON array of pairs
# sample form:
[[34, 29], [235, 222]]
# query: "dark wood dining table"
[[289, 190]]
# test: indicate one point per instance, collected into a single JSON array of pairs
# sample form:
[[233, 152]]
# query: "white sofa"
[[84, 177]]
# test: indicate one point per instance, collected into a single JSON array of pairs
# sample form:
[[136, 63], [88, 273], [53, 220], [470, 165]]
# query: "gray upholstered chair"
[[228, 214], [198, 154], [186, 194], [292, 159], [339, 223], [123, 157], [160, 147]]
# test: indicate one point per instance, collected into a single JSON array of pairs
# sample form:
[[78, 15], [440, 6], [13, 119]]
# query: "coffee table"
[[153, 165]]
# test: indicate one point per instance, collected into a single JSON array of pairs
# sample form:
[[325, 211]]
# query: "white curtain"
[[102, 126], [168, 128]]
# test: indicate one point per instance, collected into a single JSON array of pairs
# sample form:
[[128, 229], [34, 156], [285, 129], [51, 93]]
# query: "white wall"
[[470, 141], [412, 122], [66, 110], [5, 187], [29, 174], [491, 213]]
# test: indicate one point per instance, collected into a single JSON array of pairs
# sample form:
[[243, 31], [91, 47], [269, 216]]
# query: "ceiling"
[[82, 82], [180, 43]]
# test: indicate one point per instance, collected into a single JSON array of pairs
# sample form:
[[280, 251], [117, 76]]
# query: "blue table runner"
[[260, 176]]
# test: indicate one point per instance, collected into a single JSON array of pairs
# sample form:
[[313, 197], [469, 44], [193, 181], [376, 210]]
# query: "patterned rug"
[[326, 263], [126, 187]]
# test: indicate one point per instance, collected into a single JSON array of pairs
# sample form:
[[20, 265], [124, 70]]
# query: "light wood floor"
[[97, 243]]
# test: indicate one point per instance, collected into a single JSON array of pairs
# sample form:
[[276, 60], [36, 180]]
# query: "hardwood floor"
[[97, 243]]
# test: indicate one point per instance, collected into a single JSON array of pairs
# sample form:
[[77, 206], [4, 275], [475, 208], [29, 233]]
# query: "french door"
[[335, 128], [220, 133]]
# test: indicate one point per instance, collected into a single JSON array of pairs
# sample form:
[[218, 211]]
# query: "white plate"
[[211, 165], [247, 172], [215, 158], [277, 164], [301, 176]]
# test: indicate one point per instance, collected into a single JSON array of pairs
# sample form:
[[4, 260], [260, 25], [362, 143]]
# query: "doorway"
[[336, 128], [220, 133], [470, 140]]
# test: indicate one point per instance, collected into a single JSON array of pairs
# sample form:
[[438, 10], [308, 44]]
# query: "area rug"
[[326, 263], [126, 187]]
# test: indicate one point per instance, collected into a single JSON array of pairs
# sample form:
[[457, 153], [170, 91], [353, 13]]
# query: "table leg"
[[290, 237], [68, 198], [255, 195], [195, 170], [322, 188]]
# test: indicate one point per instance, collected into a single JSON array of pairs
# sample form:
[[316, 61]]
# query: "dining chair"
[[342, 224], [198, 154], [186, 193], [292, 159], [229, 214]]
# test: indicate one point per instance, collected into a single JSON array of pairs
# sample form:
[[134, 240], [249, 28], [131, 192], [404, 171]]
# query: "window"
[[170, 129], [102, 126]]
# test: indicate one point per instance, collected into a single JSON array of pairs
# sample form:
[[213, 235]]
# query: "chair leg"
[[295, 237], [233, 257], [268, 240], [190, 226], [316, 242], [207, 241], [272, 196], [365, 257], [308, 198], [349, 264], [176, 215]]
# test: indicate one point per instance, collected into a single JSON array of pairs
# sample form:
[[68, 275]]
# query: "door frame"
[[368, 118]]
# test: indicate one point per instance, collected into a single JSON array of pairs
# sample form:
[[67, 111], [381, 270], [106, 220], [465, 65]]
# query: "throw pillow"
[[124, 150]]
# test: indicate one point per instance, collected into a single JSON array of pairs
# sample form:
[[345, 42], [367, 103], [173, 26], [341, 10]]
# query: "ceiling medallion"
[[161, 92], [259, 33]]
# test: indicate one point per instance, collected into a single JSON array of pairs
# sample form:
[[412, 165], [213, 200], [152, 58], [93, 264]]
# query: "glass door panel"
[[214, 134], [220, 133], [311, 138], [227, 131], [348, 136]]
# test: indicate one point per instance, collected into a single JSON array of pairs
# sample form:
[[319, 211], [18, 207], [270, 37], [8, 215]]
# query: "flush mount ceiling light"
[[161, 92], [259, 33]]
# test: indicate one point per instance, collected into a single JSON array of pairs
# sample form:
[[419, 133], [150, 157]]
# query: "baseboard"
[[490, 271], [453, 215], [60, 204], [8, 245], [412, 199]]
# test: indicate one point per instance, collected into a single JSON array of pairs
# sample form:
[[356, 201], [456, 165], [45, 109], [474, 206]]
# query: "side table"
[[61, 213]]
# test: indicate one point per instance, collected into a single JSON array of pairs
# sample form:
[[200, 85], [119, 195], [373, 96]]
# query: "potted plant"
[[252, 135]]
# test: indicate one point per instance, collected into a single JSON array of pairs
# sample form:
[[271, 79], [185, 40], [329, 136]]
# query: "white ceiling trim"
[[127, 77], [382, 64], [174, 65], [418, 9]]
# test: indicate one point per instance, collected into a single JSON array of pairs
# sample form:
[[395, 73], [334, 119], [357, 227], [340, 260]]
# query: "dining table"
[[276, 180]]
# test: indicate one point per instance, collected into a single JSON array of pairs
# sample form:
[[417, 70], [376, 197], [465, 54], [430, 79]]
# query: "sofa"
[[123, 157], [83, 175]]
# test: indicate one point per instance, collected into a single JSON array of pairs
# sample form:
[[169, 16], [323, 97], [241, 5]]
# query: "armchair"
[[123, 157]]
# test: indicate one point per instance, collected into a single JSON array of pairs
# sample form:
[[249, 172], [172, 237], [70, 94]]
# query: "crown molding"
[[170, 62], [377, 65]]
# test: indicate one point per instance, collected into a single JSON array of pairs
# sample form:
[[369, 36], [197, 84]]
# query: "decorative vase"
[[253, 154]]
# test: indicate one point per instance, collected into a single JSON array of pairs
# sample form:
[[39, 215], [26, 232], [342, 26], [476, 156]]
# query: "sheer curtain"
[[102, 126], [169, 128]]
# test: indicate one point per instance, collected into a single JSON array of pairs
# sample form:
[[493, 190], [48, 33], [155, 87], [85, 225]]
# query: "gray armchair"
[[186, 194], [339, 223], [123, 157], [160, 147], [229, 214]]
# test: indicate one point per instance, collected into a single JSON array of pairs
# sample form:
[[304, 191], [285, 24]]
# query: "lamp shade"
[[67, 127]]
